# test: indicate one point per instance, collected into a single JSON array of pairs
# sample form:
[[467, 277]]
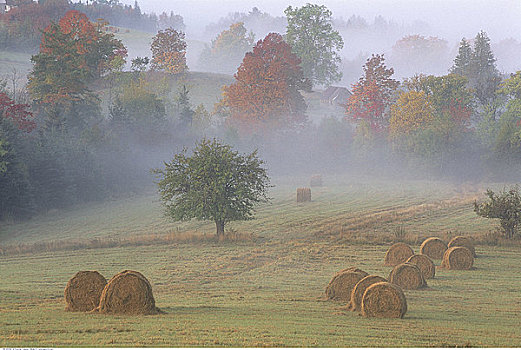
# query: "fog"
[[447, 20]]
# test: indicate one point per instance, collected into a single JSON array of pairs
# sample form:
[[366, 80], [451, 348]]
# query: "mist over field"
[[226, 173]]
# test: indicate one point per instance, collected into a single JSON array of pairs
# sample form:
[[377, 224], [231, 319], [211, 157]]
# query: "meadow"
[[264, 285]]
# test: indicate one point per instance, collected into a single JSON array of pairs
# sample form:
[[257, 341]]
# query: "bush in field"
[[506, 206], [215, 183]]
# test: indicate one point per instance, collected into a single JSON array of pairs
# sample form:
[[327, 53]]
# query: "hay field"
[[266, 290]]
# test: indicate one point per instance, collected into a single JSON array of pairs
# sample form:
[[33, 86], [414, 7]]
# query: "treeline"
[[21, 26]]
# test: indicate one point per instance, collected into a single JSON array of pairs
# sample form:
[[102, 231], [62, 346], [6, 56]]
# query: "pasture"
[[263, 287]]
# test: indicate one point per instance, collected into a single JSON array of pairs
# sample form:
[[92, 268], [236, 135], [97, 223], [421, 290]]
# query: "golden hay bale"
[[457, 258], [83, 291], [433, 247], [397, 254], [358, 291], [303, 195], [128, 292], [462, 241], [425, 265], [342, 284], [352, 269], [316, 181], [407, 276], [384, 299]]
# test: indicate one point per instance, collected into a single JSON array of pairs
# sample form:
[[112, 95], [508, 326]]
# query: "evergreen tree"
[[462, 62], [184, 108], [485, 77]]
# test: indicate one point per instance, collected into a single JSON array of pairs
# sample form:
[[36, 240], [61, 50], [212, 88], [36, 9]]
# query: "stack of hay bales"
[[83, 291], [462, 241], [397, 254], [425, 264], [128, 292], [433, 247], [316, 181], [384, 300], [458, 258], [342, 284], [303, 195], [407, 276]]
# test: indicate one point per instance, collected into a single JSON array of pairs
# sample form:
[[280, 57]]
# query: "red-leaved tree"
[[372, 94], [265, 94], [18, 114]]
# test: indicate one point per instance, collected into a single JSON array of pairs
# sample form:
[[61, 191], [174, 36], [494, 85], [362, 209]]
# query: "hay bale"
[[83, 291], [457, 258], [352, 269], [128, 292], [342, 284], [407, 276], [303, 195], [462, 241], [358, 291], [433, 247], [425, 265], [385, 300], [397, 254], [316, 181]]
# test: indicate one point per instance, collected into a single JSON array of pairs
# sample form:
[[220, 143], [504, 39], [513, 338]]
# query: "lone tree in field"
[[506, 206], [215, 183]]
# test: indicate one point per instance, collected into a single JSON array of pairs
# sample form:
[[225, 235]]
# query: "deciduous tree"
[[169, 51], [410, 112], [312, 38], [214, 183], [372, 94], [265, 94]]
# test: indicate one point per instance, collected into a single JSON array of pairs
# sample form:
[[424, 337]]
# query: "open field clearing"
[[266, 288]]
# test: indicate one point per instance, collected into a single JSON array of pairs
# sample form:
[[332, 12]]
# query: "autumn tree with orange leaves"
[[266, 92], [73, 52], [169, 51], [372, 94]]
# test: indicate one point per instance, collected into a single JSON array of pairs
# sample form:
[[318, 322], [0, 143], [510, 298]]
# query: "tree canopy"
[[214, 183], [312, 38]]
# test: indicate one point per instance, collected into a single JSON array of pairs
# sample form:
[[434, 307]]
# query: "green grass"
[[268, 291]]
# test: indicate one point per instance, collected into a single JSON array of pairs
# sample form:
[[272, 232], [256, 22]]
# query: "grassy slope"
[[265, 292]]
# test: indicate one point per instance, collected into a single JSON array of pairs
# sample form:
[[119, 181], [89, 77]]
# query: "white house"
[[3, 6]]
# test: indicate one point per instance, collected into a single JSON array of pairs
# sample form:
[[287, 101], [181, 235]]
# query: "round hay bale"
[[128, 292], [458, 258], [407, 276], [425, 265], [462, 241], [342, 284], [329, 292], [384, 299], [358, 291], [83, 291], [433, 247], [397, 254]]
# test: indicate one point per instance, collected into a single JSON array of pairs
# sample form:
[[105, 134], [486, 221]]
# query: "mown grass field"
[[265, 289]]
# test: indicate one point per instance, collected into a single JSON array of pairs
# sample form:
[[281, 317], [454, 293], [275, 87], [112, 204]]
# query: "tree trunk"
[[220, 229]]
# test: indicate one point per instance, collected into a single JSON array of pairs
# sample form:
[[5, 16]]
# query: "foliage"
[[312, 38], [184, 109], [169, 51], [478, 65], [265, 94], [227, 49], [372, 94], [137, 109], [504, 205], [463, 61], [215, 183], [202, 120], [18, 114], [410, 112], [139, 64], [72, 53]]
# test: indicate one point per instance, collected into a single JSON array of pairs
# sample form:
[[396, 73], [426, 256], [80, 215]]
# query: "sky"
[[450, 19]]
